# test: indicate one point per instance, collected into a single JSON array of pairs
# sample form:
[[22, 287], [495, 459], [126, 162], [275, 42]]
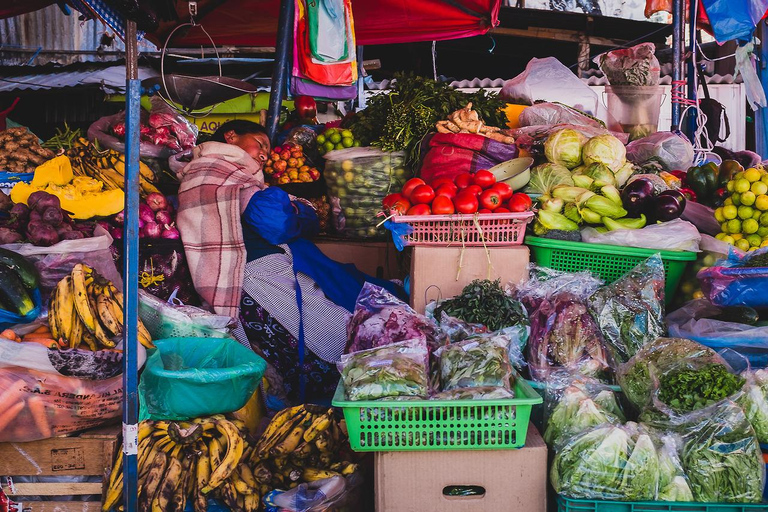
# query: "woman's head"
[[249, 136]]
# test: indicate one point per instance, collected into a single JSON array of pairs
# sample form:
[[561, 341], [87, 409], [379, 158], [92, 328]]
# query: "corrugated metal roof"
[[111, 79], [54, 33]]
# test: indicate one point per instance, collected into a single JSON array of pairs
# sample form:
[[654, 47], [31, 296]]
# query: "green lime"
[[748, 198], [742, 244], [749, 226], [757, 214], [729, 186], [745, 212], [356, 144], [730, 212], [336, 138], [764, 219], [328, 146], [734, 226], [719, 215], [762, 231], [347, 142], [742, 185], [720, 236], [320, 140], [339, 146], [724, 227], [754, 240], [739, 175], [347, 133], [736, 198], [729, 240], [759, 188]]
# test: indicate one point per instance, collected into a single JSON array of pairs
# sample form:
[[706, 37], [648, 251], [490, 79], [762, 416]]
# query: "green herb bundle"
[[689, 389], [486, 303]]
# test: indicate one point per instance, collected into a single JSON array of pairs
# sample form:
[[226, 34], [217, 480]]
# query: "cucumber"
[[22, 266], [739, 315], [13, 292]]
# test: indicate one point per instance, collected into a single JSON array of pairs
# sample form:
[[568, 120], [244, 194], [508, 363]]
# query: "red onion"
[[105, 225], [117, 233], [170, 233], [157, 201], [152, 230], [120, 218], [163, 217], [146, 213]]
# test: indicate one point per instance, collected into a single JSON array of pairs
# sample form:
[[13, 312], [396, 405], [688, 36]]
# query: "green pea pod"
[[625, 223]]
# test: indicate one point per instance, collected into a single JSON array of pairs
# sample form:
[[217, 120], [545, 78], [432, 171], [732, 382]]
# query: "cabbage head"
[[564, 147], [677, 490], [641, 474], [598, 472], [545, 177], [605, 149], [601, 175]]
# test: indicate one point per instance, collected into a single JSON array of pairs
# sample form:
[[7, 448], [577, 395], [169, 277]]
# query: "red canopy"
[[10, 8]]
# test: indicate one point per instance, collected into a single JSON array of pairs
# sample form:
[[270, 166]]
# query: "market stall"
[[583, 310]]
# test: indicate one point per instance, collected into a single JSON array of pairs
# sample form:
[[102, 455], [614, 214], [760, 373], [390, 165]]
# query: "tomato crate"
[[61, 470], [609, 262], [476, 230], [420, 425], [565, 504]]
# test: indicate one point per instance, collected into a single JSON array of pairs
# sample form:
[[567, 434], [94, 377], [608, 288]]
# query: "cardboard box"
[[442, 272], [377, 259], [88, 454], [510, 480]]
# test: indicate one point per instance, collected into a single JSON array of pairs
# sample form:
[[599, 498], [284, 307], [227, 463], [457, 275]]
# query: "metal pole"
[[692, 92], [761, 115], [282, 66], [131, 271], [678, 42]]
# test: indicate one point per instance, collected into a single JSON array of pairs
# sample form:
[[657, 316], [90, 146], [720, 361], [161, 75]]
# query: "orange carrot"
[[36, 336], [43, 328], [12, 394], [10, 414], [37, 409], [8, 334], [46, 342]]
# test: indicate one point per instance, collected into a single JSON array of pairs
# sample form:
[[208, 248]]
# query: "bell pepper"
[[688, 193], [703, 181], [727, 169]]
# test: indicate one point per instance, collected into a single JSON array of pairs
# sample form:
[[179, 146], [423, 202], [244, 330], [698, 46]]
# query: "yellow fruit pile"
[[743, 217], [287, 164]]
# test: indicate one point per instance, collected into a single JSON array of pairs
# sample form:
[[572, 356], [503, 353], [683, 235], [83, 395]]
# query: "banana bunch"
[[107, 166], [192, 460], [87, 308], [301, 444]]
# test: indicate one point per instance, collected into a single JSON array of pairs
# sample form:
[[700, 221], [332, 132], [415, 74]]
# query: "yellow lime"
[[754, 240], [728, 201], [749, 226], [347, 134], [742, 244], [764, 219], [736, 198], [762, 231], [729, 186], [761, 202], [730, 212], [764, 244], [347, 142], [320, 140], [738, 175], [742, 185], [756, 215], [335, 137], [339, 146], [747, 198], [349, 177], [729, 240], [737, 236], [356, 144], [759, 188], [745, 212], [347, 165], [764, 179], [752, 249], [752, 175], [734, 226], [719, 215], [724, 226], [720, 236]]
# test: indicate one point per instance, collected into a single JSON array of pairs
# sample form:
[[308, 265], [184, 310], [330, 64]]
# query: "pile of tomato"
[[466, 193]]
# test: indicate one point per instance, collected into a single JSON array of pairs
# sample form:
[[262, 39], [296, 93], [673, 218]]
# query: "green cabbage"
[[641, 473], [754, 401], [577, 412], [605, 149], [601, 175], [545, 177], [564, 147]]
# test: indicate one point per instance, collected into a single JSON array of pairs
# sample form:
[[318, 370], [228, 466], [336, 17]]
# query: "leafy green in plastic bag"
[[472, 364], [641, 473]]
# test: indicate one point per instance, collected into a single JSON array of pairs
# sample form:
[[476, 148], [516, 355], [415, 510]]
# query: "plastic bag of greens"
[[358, 179], [575, 403], [630, 311], [641, 375], [474, 363], [673, 151], [546, 282], [754, 401], [609, 462], [721, 455], [673, 484], [637, 66], [397, 370], [482, 393]]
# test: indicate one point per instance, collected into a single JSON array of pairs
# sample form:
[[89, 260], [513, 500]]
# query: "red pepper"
[[679, 174], [688, 193]]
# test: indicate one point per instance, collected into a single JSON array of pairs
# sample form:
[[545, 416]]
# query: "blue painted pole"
[[761, 116], [282, 66], [678, 44], [692, 92], [130, 273]]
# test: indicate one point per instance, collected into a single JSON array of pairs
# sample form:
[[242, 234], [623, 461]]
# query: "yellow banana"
[[146, 428], [115, 310], [82, 303], [215, 454], [247, 476], [312, 474], [152, 481], [90, 340], [115, 486], [267, 443], [252, 502], [107, 316], [170, 482], [64, 312], [144, 337], [116, 307], [52, 320], [289, 443], [98, 330], [179, 499], [231, 459], [319, 424], [76, 331]]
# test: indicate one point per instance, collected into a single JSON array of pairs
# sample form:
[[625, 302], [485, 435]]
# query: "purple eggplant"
[[668, 206], [678, 195], [637, 197]]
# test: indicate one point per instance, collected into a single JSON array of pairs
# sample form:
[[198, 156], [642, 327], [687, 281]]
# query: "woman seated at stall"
[[247, 249]]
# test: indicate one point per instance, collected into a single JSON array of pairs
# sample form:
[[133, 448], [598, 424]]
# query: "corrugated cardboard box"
[[442, 272], [509, 480], [377, 259]]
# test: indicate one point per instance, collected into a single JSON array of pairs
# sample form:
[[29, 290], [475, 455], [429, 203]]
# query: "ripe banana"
[[312, 474], [52, 320], [115, 487], [231, 459], [82, 302], [90, 340], [319, 424], [107, 316], [76, 330], [152, 481], [289, 443], [266, 444], [170, 482]]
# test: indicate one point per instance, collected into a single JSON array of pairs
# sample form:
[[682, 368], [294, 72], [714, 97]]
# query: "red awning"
[[254, 22], [10, 8]]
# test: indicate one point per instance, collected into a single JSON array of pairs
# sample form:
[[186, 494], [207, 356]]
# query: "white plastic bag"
[[675, 235], [674, 151], [555, 113]]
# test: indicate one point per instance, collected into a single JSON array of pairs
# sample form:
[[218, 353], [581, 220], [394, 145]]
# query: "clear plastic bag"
[[754, 401], [637, 66], [164, 320], [736, 282], [396, 370], [630, 311], [380, 319], [675, 235], [481, 393], [673, 484], [546, 282], [542, 114], [474, 364], [319, 496], [534, 137], [694, 321], [575, 403], [101, 132], [358, 180], [673, 151]]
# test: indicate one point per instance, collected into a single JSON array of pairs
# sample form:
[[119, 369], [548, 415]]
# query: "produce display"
[[744, 215], [20, 150], [484, 303], [335, 138], [87, 310], [287, 164]]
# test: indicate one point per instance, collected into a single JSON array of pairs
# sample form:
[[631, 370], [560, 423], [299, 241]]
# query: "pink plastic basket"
[[481, 229]]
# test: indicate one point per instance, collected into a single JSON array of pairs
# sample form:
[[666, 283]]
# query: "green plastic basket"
[[419, 425], [565, 504], [610, 262]]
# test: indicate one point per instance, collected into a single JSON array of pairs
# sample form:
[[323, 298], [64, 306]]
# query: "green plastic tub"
[[420, 425], [610, 262], [565, 504]]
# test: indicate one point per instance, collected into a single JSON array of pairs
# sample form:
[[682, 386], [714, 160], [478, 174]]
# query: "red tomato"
[[474, 190], [439, 182], [446, 190], [419, 209], [443, 205], [410, 185], [504, 190], [520, 202], [397, 203], [423, 194], [463, 180], [501, 209], [484, 179], [490, 199], [466, 203], [484, 210], [390, 200]]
